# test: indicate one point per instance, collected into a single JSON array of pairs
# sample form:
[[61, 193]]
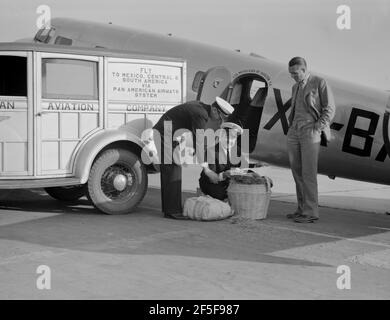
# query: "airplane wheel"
[[117, 181], [69, 193]]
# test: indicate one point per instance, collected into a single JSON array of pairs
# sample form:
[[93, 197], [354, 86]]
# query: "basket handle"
[[267, 183]]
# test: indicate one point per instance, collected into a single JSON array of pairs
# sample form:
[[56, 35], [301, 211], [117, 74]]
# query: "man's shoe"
[[176, 216], [293, 215], [305, 219]]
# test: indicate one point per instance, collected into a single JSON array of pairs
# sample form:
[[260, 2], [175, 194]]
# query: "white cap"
[[225, 106]]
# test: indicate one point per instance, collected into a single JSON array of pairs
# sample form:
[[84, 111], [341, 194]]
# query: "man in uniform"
[[222, 154], [190, 116], [312, 110]]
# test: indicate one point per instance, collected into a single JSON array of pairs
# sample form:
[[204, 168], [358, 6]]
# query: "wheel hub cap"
[[120, 182]]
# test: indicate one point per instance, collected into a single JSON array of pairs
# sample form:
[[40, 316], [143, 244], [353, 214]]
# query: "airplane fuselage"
[[359, 149]]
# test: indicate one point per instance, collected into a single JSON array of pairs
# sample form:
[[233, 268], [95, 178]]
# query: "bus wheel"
[[117, 181], [69, 193]]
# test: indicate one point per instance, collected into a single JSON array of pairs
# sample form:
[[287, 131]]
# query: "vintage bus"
[[71, 120]]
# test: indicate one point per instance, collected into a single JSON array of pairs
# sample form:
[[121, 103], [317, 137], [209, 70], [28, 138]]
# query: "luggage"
[[250, 195], [206, 208]]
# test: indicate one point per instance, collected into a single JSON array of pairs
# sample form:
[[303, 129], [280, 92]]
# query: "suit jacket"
[[319, 101]]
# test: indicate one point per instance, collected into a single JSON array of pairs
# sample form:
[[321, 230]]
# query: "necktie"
[[295, 100], [296, 92]]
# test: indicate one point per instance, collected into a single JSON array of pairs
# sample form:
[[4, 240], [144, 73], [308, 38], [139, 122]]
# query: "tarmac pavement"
[[145, 256]]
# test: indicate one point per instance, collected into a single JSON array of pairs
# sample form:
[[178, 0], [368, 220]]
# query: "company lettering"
[[146, 108]]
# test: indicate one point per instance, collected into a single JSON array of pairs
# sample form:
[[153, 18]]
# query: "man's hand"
[[317, 126], [226, 174]]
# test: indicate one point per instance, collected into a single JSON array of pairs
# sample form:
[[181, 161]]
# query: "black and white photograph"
[[194, 155]]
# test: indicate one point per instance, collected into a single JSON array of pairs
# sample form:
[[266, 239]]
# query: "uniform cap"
[[224, 106]]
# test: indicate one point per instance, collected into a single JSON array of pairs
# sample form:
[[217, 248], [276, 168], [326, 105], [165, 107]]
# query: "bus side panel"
[[139, 91]]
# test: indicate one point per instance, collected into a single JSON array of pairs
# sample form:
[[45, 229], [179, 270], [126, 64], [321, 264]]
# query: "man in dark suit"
[[189, 116], [312, 110]]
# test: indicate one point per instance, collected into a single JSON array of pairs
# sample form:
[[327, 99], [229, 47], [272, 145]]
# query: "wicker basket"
[[249, 201]]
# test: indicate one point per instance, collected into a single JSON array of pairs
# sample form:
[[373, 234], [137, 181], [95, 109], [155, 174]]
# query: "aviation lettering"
[[71, 106], [366, 134], [280, 114], [7, 104]]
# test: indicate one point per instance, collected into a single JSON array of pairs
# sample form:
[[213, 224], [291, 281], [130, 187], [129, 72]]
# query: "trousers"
[[215, 190], [303, 145], [170, 179], [171, 188]]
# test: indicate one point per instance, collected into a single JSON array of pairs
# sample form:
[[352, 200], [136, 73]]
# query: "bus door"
[[16, 110], [69, 107]]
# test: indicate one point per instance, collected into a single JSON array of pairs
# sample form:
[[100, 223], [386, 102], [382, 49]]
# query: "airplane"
[[360, 148]]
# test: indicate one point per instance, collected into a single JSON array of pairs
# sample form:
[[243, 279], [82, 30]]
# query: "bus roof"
[[39, 47]]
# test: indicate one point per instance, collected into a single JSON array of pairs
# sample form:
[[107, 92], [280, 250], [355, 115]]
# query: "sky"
[[276, 29]]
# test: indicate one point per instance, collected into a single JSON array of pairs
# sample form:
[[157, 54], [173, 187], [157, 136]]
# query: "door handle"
[[39, 114]]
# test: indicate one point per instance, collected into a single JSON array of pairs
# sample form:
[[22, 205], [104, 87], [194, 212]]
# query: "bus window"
[[69, 79], [13, 76]]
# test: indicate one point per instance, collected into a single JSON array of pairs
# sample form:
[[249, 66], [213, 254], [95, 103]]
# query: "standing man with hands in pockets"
[[312, 110]]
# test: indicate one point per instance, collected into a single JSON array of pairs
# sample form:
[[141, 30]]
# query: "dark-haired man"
[[312, 110]]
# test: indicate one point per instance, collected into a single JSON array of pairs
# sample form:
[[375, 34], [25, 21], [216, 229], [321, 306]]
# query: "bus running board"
[[38, 183]]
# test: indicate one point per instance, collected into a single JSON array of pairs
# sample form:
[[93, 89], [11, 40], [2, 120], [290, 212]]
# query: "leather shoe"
[[176, 216], [305, 219], [293, 215]]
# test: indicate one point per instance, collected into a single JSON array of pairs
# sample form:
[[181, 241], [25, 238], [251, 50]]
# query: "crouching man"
[[214, 178]]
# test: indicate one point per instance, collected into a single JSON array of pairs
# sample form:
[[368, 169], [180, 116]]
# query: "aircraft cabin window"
[[197, 79], [44, 35], [13, 76], [256, 85], [63, 41], [69, 79]]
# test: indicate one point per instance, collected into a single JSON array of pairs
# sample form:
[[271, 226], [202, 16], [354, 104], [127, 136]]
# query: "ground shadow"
[[80, 227]]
